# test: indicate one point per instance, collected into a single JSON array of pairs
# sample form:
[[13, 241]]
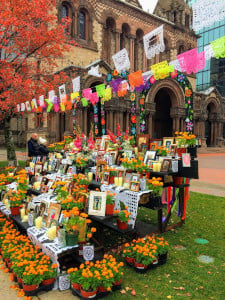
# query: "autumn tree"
[[31, 43]]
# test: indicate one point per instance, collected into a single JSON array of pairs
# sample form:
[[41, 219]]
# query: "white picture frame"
[[97, 204]]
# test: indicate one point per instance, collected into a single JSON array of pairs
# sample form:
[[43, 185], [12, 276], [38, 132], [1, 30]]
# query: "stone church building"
[[103, 27]]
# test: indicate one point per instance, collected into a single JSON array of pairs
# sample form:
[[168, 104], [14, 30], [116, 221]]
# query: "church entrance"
[[162, 122]]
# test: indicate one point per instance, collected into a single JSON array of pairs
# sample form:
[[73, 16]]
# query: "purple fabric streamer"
[[115, 84]]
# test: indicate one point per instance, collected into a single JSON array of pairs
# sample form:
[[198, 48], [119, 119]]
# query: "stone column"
[[212, 133], [177, 124], [150, 125], [117, 41], [131, 55], [110, 120]]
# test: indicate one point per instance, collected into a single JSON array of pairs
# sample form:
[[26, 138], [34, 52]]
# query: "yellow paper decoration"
[[108, 94], [62, 106], [162, 70], [218, 47], [74, 95]]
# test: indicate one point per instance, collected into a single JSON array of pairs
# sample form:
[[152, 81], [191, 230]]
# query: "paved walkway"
[[211, 174]]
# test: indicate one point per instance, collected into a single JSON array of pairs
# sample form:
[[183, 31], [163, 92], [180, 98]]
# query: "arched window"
[[109, 40], [180, 49], [174, 16], [138, 50], [66, 13], [124, 39], [82, 25]]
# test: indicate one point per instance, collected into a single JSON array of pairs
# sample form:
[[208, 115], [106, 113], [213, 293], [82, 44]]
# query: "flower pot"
[[15, 211], [118, 282], [71, 239], [87, 294], [102, 289], [111, 179], [162, 258], [109, 209], [122, 225], [48, 281], [76, 286], [192, 151], [30, 287], [178, 180], [180, 151], [130, 260], [19, 280], [140, 266]]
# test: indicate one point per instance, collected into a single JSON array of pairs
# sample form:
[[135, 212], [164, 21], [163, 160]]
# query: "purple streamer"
[[115, 84]]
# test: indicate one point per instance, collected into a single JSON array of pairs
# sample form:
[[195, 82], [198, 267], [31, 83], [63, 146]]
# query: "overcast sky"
[[148, 4]]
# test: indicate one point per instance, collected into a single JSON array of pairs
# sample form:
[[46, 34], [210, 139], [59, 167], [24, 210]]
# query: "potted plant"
[[31, 279], [129, 253], [75, 278], [156, 185], [112, 175], [15, 203], [71, 229], [186, 140], [123, 218], [110, 203], [162, 250], [145, 254], [89, 282], [49, 274]]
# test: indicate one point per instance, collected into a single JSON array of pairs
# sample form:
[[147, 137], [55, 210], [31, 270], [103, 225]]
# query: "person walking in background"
[[33, 146], [43, 147]]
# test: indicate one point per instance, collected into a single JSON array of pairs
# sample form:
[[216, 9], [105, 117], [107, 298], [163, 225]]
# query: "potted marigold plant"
[[89, 282], [186, 141], [110, 203], [129, 253], [15, 204], [71, 227], [162, 250], [155, 184], [31, 278], [49, 274], [75, 278], [123, 218]]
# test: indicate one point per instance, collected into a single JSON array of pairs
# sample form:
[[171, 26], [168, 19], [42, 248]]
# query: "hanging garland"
[[103, 116], [133, 119], [96, 118]]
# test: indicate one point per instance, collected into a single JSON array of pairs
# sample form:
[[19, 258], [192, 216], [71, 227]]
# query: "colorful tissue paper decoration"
[[103, 117], [100, 89], [133, 114], [94, 98], [96, 119], [162, 70], [136, 79], [191, 61], [122, 90], [115, 84], [87, 93], [218, 47], [108, 94]]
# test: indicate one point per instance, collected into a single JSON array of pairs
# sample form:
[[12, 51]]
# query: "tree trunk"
[[11, 153]]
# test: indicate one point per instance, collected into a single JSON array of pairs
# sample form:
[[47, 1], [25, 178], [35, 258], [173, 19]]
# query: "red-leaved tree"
[[31, 43]]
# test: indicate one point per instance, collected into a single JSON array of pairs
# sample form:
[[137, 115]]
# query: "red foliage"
[[31, 43]]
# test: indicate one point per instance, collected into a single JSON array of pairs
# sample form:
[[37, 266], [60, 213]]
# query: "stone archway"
[[167, 99]]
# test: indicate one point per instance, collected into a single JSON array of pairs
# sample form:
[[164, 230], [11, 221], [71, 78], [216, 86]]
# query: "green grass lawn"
[[21, 163], [184, 277]]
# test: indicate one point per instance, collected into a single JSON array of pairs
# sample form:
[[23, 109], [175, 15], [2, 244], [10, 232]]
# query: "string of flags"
[[190, 62]]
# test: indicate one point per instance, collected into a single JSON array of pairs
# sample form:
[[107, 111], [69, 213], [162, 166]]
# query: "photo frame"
[[135, 186], [100, 169], [119, 156], [142, 139], [159, 142], [85, 199], [173, 148], [53, 212], [105, 179], [44, 188], [149, 155], [38, 168], [128, 153], [72, 170], [98, 142], [186, 160], [165, 167], [127, 180], [114, 155], [97, 204], [153, 146], [167, 141], [135, 177]]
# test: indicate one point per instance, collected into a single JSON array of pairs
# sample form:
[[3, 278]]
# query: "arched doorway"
[[162, 121], [211, 109]]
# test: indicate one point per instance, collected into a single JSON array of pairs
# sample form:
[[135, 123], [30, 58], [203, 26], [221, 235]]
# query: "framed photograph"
[[165, 167], [153, 146], [114, 154], [144, 148], [44, 188], [106, 178], [142, 139], [72, 170], [127, 180], [167, 141], [97, 204], [135, 177], [53, 213], [53, 223], [38, 169], [101, 165], [119, 156], [186, 160], [121, 173], [173, 148], [135, 186], [62, 218], [149, 155], [128, 153], [45, 166], [84, 196], [98, 142], [43, 211], [159, 142]]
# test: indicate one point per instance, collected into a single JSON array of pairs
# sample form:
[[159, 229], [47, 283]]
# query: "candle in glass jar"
[[51, 233], [22, 213], [154, 167], [120, 181], [90, 176], [159, 166], [25, 219], [136, 150], [116, 181], [38, 222]]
